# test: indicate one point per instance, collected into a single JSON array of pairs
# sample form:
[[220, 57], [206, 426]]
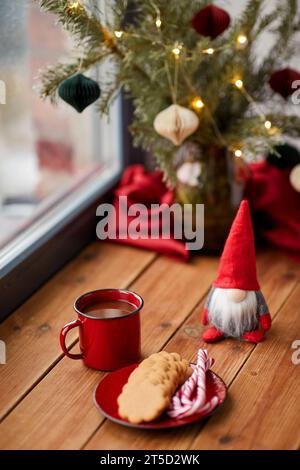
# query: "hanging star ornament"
[[79, 91]]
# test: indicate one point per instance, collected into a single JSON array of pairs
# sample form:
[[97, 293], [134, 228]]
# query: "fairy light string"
[[158, 21], [180, 55], [169, 78], [199, 104], [239, 84], [81, 8], [177, 50]]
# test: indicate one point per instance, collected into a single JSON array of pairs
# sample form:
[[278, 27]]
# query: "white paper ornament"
[[189, 172], [176, 123], [295, 178]]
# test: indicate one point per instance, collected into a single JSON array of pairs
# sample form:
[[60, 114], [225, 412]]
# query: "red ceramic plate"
[[110, 387]]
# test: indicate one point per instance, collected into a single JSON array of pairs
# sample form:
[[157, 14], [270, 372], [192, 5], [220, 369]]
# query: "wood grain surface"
[[47, 399]]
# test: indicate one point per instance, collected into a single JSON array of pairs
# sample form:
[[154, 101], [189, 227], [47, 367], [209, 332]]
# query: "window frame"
[[58, 242], [37, 261]]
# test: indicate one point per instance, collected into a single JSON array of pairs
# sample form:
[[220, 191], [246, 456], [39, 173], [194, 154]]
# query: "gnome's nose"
[[236, 295]]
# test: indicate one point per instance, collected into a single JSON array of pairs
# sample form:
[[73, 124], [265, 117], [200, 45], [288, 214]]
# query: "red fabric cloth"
[[147, 189], [275, 206], [237, 269]]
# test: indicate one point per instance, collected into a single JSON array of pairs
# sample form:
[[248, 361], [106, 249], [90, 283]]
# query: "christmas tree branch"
[[53, 76], [82, 24], [108, 95], [284, 34], [287, 124], [90, 34], [145, 66]]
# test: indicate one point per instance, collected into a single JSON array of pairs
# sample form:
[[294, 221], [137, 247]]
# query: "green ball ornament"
[[79, 91]]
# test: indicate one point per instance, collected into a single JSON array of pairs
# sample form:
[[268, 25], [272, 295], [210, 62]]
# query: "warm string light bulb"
[[74, 7], [118, 34], [268, 125], [238, 153], [239, 83], [176, 51], [242, 40], [197, 103], [158, 22], [208, 51]]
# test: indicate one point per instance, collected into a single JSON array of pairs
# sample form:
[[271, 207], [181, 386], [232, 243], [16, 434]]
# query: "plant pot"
[[215, 186]]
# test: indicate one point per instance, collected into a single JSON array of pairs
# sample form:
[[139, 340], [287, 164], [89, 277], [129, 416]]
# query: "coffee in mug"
[[109, 309], [109, 329]]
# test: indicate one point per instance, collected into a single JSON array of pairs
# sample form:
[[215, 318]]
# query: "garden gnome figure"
[[235, 305]]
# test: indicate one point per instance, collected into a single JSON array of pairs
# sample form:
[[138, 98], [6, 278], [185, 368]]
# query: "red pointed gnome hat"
[[237, 269]]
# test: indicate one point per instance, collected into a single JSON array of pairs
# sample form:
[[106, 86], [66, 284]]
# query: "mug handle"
[[63, 335]]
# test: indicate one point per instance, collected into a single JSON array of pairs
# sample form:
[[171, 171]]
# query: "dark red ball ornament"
[[282, 80], [211, 21]]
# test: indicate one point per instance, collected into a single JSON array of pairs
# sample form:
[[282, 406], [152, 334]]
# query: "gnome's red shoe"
[[212, 335], [254, 336]]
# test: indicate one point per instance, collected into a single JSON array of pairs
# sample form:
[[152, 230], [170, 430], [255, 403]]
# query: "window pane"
[[46, 152]]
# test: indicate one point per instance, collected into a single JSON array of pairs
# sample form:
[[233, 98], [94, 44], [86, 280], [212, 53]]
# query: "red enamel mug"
[[107, 342]]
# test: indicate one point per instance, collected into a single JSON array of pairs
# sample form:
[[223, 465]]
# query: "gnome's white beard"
[[233, 318]]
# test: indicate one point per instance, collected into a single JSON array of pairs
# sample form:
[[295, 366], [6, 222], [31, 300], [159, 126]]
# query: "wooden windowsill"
[[46, 398]]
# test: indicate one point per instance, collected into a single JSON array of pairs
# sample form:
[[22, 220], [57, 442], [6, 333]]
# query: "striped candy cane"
[[191, 397]]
